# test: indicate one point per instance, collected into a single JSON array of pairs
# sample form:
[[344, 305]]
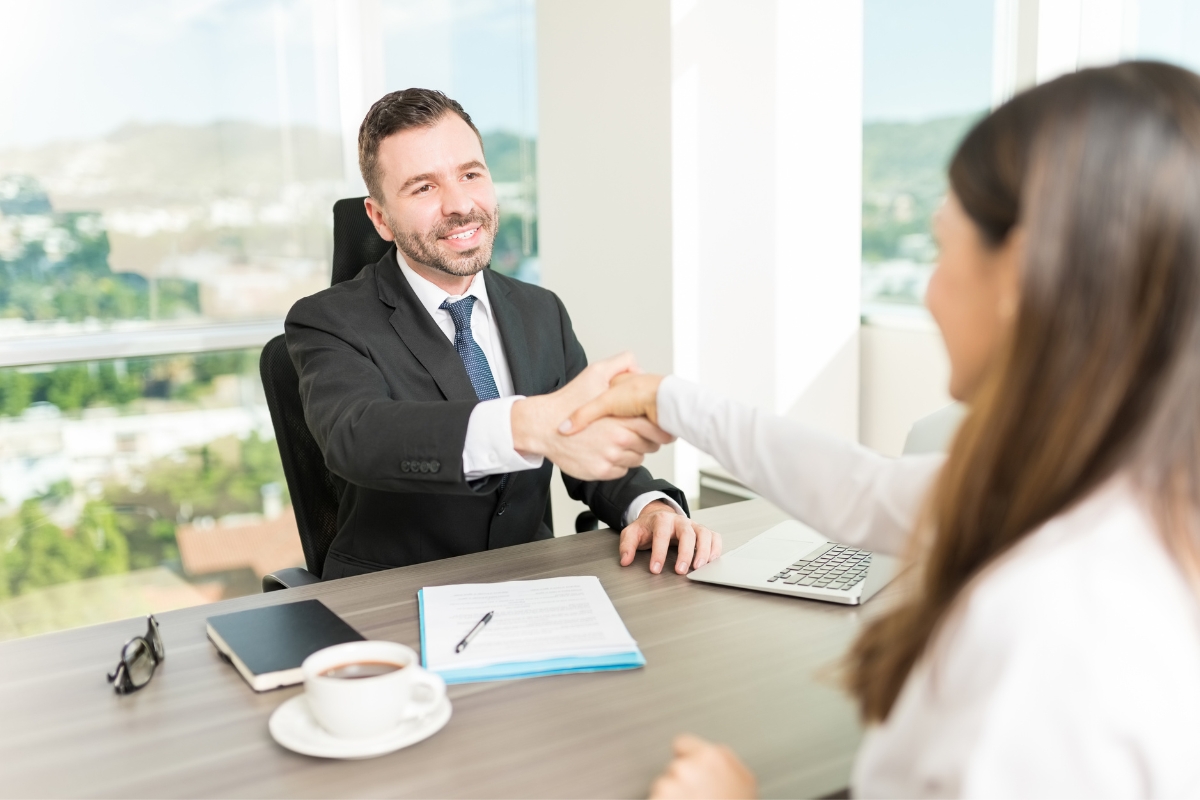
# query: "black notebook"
[[267, 645]]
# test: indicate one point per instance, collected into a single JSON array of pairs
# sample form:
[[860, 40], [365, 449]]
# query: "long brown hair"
[[1100, 171]]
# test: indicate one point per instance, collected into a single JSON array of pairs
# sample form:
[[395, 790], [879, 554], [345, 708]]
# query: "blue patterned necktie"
[[478, 369]]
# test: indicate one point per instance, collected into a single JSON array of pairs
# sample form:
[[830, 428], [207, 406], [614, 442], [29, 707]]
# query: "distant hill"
[[904, 179], [143, 199], [503, 152], [165, 166], [911, 156], [173, 165]]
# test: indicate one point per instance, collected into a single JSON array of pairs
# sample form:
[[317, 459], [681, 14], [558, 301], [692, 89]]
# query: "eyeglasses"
[[139, 658]]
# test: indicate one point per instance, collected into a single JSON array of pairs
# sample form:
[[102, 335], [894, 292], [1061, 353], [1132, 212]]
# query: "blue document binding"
[[529, 669]]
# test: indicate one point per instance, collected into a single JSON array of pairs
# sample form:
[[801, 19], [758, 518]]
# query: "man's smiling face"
[[439, 201]]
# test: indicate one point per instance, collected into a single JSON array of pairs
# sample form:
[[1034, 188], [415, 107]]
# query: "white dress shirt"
[[1070, 667], [488, 449]]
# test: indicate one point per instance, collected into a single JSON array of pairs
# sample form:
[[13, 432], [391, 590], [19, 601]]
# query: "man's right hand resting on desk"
[[607, 449]]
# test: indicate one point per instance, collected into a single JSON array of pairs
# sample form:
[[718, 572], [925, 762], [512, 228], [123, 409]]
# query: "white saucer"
[[293, 726]]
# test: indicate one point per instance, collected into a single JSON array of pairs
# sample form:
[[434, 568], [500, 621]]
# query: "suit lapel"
[[512, 335], [420, 333]]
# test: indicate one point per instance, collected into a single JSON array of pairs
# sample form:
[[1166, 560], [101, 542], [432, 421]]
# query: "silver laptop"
[[792, 558]]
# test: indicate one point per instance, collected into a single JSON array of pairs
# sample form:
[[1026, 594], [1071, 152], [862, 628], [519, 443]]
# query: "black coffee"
[[361, 669]]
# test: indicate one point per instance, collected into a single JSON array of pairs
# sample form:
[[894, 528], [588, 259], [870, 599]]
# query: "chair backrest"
[[934, 432], [355, 242], [314, 497]]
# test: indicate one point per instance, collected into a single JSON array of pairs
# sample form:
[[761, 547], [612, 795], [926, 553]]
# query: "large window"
[[927, 75], [168, 161], [163, 161], [932, 67], [167, 171], [136, 485]]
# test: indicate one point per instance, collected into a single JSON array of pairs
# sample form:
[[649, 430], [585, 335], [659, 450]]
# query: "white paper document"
[[532, 621]]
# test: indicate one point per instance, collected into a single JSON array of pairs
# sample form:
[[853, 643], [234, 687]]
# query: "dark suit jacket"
[[387, 398]]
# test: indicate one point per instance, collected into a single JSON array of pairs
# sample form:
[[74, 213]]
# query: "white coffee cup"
[[360, 707]]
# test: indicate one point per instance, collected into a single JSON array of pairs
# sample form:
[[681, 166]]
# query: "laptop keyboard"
[[832, 567]]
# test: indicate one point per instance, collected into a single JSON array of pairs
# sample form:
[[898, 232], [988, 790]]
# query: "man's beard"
[[423, 248]]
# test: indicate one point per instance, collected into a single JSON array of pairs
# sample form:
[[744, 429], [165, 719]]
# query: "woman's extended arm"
[[841, 489]]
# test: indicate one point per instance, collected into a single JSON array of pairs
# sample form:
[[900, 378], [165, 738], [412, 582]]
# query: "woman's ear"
[[1008, 266]]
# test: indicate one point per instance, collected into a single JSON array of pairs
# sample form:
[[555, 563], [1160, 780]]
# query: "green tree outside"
[[40, 553], [904, 179]]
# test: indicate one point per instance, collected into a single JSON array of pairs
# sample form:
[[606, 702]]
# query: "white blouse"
[[1069, 668]]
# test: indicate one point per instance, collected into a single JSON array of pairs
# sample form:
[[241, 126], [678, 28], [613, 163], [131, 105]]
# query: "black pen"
[[471, 634]]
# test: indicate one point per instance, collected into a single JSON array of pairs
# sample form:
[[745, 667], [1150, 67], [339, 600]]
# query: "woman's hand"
[[704, 770], [609, 448], [630, 395]]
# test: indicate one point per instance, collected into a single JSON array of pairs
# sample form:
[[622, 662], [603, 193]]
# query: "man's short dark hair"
[[400, 111]]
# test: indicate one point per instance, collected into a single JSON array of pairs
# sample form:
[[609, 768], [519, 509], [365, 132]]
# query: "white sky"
[[76, 69], [933, 58], [926, 58]]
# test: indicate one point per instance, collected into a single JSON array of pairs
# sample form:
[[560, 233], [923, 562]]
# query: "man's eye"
[[423, 189], [471, 176]]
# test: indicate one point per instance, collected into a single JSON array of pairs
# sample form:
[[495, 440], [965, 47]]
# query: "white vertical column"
[[360, 74], [325, 71], [1107, 32], [1058, 30], [779, 161], [1014, 48], [726, 50], [818, 211], [1038, 40], [699, 188], [685, 234], [604, 182], [604, 172]]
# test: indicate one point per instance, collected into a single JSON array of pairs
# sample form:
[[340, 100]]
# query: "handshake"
[[598, 426]]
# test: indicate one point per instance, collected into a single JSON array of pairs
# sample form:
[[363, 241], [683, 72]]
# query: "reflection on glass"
[[136, 486], [926, 78], [481, 53], [177, 161], [164, 161], [904, 181]]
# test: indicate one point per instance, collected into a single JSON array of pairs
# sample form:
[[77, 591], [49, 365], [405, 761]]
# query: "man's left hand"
[[657, 527]]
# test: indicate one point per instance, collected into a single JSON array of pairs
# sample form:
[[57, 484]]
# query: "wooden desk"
[[745, 668]]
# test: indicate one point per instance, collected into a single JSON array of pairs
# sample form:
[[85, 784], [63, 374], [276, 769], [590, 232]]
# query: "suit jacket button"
[[434, 466], [405, 466], [424, 466], [500, 511]]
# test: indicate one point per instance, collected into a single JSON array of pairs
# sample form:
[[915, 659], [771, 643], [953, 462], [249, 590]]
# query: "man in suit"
[[436, 387]]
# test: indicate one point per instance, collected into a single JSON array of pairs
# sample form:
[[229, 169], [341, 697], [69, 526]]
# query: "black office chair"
[[314, 498], [356, 244], [355, 240]]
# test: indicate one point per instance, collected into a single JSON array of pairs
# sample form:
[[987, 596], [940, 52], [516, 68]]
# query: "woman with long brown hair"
[[1048, 638]]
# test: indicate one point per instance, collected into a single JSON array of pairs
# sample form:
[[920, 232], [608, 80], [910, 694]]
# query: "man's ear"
[[375, 212]]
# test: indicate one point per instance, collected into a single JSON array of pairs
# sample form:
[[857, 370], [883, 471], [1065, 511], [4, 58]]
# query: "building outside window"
[[167, 172]]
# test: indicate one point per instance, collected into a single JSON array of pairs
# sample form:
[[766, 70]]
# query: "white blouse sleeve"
[[845, 491]]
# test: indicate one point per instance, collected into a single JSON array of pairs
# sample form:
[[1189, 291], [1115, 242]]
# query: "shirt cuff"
[[489, 449], [642, 500]]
